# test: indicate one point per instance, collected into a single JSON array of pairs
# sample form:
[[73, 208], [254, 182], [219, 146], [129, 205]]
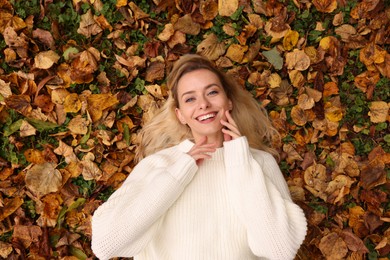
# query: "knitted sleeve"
[[127, 221], [276, 226]]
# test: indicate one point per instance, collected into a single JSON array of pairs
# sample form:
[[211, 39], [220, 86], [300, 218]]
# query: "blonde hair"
[[165, 130]]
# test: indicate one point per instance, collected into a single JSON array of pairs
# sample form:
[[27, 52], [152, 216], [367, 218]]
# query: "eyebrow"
[[207, 87]]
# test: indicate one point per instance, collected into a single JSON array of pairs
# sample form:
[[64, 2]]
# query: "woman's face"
[[202, 103]]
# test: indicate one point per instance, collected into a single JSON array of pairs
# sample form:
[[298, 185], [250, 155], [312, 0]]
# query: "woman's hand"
[[201, 149], [230, 130]]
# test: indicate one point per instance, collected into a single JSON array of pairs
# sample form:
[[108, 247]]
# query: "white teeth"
[[204, 117]]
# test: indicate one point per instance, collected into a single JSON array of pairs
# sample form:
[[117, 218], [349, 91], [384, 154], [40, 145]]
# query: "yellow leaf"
[[333, 113], [379, 111], [99, 102], [34, 156], [305, 102], [72, 103], [167, 33], [211, 47], [290, 40]]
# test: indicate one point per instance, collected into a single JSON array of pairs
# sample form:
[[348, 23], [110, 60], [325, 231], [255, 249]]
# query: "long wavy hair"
[[165, 130]]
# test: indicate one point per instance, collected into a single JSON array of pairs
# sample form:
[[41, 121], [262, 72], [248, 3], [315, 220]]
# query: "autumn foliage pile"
[[78, 79]]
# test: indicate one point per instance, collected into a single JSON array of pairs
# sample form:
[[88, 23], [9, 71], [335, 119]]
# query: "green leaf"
[[78, 253], [41, 125], [273, 56], [13, 128]]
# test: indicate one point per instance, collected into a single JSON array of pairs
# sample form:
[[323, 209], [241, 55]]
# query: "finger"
[[233, 135], [230, 118], [230, 127]]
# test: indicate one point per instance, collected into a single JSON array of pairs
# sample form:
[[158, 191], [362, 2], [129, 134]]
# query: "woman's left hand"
[[230, 130]]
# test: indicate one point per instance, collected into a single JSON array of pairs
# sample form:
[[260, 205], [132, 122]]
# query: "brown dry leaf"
[[78, 125], [34, 156], [90, 169], [72, 103], [333, 246], [345, 163], [155, 90], [364, 8], [338, 19], [43, 178], [338, 188], [372, 54], [316, 180], [354, 243], [373, 174], [325, 6], [5, 248], [346, 31], [297, 79], [26, 129], [379, 111], [247, 32], [208, 9], [297, 60], [167, 33], [274, 80], [21, 103], [27, 234], [44, 36], [211, 47], [280, 95], [88, 25], [137, 12], [10, 205], [384, 67], [49, 209], [290, 40], [292, 154], [236, 52], [99, 102], [355, 220], [44, 103], [155, 71], [5, 89], [298, 115], [66, 151], [227, 7], [305, 102], [186, 25]]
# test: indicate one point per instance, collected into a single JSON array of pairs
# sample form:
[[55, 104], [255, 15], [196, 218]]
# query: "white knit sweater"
[[234, 206]]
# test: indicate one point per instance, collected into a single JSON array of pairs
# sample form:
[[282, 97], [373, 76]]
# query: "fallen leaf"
[[26, 129], [66, 151], [186, 25], [5, 249], [88, 25], [72, 103], [236, 52], [46, 59], [211, 47], [290, 40], [227, 7], [298, 115], [379, 111], [90, 169], [297, 60], [325, 6], [274, 57], [43, 178], [167, 33], [27, 234], [78, 125], [208, 9], [99, 102], [34, 156], [10, 205], [333, 246]]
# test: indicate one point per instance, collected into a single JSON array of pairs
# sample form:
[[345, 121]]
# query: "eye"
[[213, 92], [188, 100]]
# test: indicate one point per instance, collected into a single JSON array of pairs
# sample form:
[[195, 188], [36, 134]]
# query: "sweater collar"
[[186, 145]]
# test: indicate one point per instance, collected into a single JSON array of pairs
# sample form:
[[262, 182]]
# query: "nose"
[[204, 103]]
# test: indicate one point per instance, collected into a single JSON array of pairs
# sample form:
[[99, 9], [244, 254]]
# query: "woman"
[[206, 185]]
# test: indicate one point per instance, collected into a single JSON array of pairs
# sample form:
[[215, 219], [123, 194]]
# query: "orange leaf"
[[236, 52], [10, 205], [211, 47], [227, 7], [72, 103], [297, 60], [333, 246], [34, 156], [88, 25], [330, 88]]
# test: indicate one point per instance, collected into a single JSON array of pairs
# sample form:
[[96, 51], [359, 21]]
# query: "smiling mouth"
[[205, 117]]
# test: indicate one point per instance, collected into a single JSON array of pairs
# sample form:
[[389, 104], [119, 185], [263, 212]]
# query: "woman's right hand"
[[200, 151]]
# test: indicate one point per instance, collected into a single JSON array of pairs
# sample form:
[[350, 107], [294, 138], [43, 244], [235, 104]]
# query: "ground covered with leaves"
[[78, 79]]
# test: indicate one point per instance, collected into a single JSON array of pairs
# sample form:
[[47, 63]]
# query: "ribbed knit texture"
[[235, 206]]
